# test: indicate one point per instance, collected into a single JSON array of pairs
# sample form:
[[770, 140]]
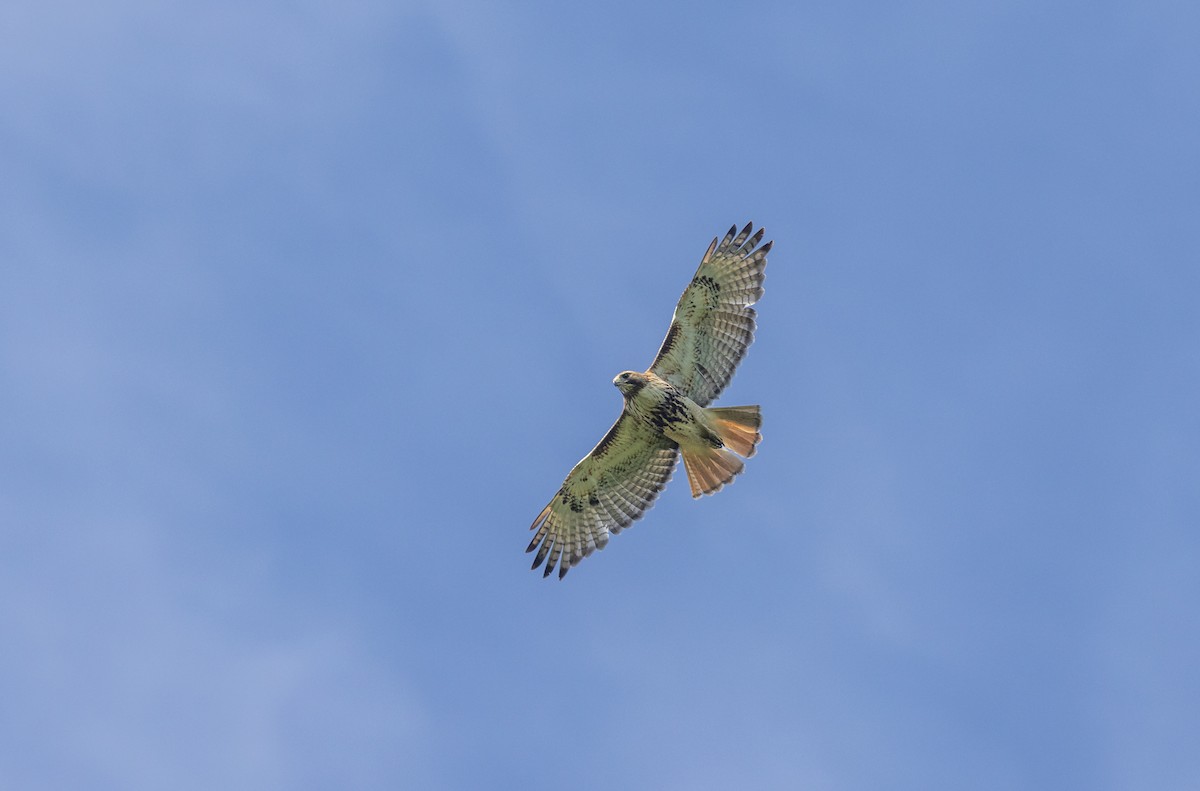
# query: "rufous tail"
[[738, 427], [708, 468]]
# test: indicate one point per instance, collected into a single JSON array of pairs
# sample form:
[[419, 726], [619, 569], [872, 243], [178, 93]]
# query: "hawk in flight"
[[666, 412]]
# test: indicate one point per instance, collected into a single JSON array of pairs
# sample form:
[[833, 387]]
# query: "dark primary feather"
[[606, 491], [622, 476], [713, 322]]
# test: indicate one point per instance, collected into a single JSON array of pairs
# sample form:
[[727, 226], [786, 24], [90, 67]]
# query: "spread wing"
[[713, 322], [608, 489]]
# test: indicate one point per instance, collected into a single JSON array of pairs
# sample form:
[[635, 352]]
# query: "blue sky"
[[307, 308]]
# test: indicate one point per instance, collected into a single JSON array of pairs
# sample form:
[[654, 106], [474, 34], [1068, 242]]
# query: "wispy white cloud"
[[132, 667], [264, 266], [147, 653]]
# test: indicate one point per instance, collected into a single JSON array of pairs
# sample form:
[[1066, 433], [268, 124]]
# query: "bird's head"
[[629, 382]]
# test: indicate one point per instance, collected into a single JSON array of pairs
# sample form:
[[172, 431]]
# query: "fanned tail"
[[738, 427], [709, 469]]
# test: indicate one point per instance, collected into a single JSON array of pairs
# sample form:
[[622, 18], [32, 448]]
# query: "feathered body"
[[662, 406], [666, 412]]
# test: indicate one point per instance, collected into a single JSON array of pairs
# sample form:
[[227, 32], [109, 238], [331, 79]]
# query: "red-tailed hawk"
[[666, 412]]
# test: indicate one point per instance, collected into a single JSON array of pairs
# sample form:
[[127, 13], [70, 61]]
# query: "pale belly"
[[675, 415]]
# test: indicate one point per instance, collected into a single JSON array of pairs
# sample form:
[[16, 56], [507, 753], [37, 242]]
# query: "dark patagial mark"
[[668, 343], [603, 445]]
